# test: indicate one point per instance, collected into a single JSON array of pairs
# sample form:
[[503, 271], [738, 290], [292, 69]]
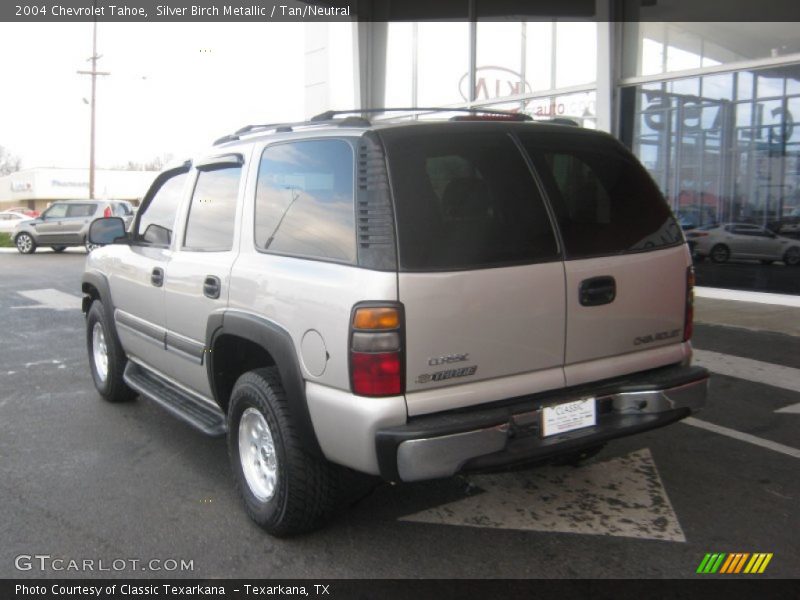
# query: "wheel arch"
[[95, 286], [239, 342]]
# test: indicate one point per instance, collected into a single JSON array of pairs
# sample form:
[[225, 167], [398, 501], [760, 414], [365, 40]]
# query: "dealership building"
[[708, 107], [37, 188]]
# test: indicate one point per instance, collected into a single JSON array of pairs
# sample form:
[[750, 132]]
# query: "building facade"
[[37, 188], [708, 107]]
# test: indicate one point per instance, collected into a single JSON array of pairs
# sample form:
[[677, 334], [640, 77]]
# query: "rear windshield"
[[603, 199], [465, 200]]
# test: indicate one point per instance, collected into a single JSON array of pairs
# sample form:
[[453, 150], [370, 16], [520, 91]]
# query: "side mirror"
[[108, 230]]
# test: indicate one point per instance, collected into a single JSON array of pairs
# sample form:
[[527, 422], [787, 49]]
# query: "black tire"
[[720, 253], [792, 257], [307, 488], [112, 388], [59, 249], [25, 243]]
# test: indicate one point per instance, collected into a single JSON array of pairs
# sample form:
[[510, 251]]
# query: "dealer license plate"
[[568, 416]]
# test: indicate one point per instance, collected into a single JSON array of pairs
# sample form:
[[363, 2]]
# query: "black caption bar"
[[391, 589], [396, 10]]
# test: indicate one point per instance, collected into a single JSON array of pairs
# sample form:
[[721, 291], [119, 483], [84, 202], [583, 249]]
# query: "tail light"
[[107, 212], [688, 318], [376, 350]]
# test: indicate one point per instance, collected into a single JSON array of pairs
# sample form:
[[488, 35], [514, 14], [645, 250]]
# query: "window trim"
[[155, 187], [206, 167], [351, 143]]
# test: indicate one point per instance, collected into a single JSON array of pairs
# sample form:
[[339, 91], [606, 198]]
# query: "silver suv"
[[66, 223], [398, 299]]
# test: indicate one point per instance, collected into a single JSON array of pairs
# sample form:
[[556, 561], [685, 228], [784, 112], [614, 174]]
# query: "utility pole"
[[94, 73]]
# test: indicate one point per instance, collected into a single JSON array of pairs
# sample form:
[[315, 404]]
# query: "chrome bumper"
[[517, 439]]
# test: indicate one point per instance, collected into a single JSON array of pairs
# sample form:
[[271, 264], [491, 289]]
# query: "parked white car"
[[10, 219], [743, 241]]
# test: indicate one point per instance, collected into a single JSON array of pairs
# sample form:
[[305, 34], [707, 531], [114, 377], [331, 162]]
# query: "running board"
[[197, 413]]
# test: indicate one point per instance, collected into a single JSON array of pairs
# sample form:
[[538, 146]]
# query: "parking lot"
[[83, 479]]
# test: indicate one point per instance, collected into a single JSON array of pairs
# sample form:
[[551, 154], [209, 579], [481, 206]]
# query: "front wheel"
[[106, 358], [286, 489], [25, 243], [792, 256], [720, 253]]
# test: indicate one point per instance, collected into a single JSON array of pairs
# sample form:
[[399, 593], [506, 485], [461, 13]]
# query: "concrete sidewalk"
[[757, 311]]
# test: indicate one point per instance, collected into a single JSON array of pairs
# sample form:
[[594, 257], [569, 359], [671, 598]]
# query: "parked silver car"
[[10, 219], [743, 241], [66, 223]]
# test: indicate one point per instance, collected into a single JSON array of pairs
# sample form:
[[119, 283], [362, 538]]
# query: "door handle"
[[597, 291], [212, 287], [157, 276]]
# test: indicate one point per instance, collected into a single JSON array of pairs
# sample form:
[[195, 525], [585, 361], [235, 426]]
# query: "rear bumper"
[[509, 432]]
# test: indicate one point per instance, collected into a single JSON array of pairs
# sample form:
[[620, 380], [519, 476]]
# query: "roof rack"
[[355, 120], [329, 115]]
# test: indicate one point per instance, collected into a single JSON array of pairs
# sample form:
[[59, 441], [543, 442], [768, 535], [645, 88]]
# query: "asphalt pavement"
[[86, 480]]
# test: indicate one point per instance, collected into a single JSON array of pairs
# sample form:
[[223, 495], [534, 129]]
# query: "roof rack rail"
[[329, 115]]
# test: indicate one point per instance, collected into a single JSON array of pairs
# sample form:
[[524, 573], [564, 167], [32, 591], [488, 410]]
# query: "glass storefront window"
[[442, 62], [498, 60], [580, 107], [399, 64], [651, 48], [576, 54], [539, 56], [717, 153]]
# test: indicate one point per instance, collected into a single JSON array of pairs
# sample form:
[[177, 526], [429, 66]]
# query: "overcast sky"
[[173, 87]]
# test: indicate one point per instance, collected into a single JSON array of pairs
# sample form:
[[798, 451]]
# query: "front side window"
[[304, 200], [603, 199], [57, 211], [158, 218], [213, 209]]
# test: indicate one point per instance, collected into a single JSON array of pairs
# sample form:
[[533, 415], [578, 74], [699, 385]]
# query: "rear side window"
[[80, 210], [465, 200], [604, 200], [304, 200], [213, 210]]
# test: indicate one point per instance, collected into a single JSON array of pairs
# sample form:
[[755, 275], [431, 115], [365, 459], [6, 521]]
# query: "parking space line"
[[743, 437], [758, 371], [51, 298], [742, 296]]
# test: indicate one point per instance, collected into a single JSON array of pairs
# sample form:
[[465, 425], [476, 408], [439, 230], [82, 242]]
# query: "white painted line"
[[51, 298], [743, 437], [742, 296], [792, 409], [622, 497], [787, 378]]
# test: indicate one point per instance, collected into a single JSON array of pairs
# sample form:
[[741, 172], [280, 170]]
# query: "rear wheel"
[[720, 253], [25, 243], [106, 358], [286, 489], [792, 256]]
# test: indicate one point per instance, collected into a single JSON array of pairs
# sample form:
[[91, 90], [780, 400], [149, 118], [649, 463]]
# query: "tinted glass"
[[212, 211], [465, 200], [80, 210], [57, 211], [158, 219], [604, 200], [304, 201]]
